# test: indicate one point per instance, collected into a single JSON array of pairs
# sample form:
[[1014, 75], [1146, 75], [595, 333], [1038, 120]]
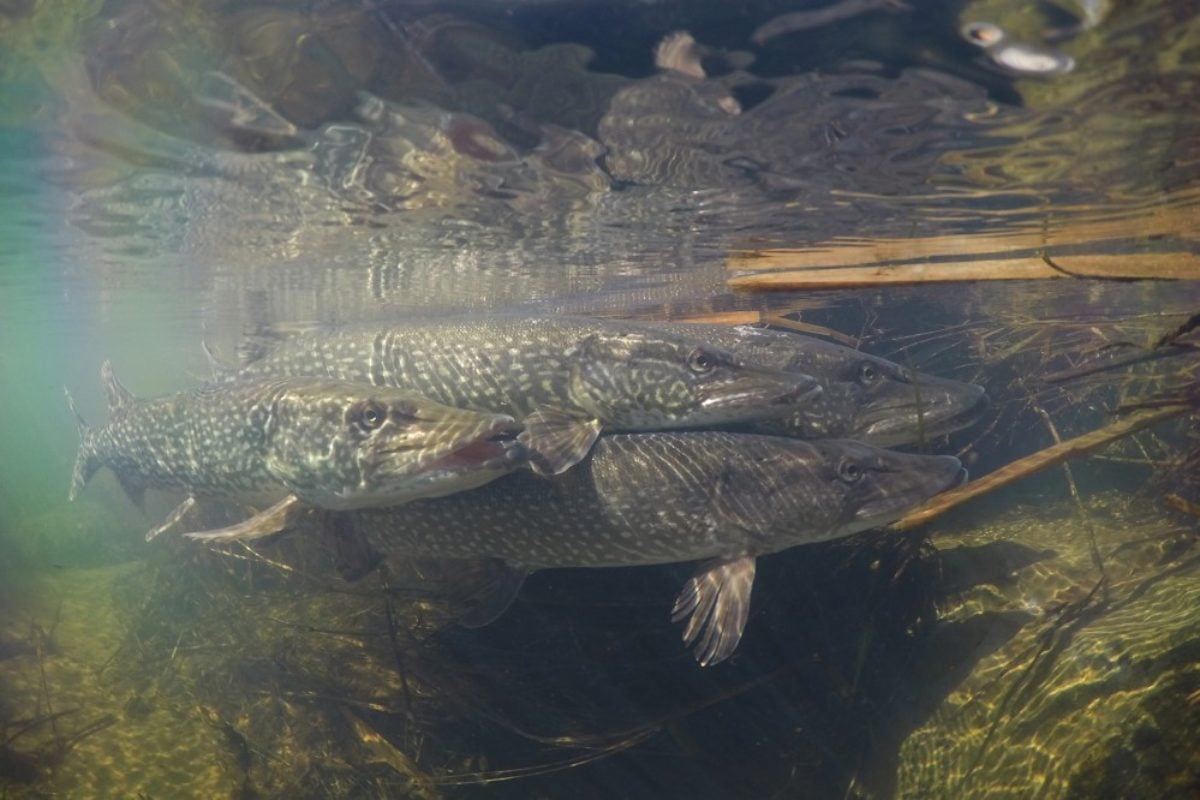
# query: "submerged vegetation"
[[890, 663]]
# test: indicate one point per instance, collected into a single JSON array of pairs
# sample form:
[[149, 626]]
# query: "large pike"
[[864, 397], [655, 498], [293, 442], [567, 378]]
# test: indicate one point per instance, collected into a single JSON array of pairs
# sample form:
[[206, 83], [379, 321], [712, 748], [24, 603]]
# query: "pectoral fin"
[[264, 523], [173, 518], [716, 604], [557, 440], [495, 596]]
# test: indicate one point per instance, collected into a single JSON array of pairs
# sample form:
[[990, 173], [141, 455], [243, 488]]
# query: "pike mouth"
[[949, 415], [497, 449], [473, 465], [478, 461], [922, 485], [755, 400]]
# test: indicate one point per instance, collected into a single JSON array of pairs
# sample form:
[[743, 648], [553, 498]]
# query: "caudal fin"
[[86, 462]]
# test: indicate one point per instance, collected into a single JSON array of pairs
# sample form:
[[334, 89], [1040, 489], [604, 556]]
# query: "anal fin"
[[557, 440], [354, 558], [135, 491], [494, 597], [264, 523], [716, 603]]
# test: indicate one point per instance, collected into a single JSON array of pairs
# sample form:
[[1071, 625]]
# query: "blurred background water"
[[174, 173]]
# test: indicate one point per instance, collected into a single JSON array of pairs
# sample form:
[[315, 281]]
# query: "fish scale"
[[568, 378], [444, 370], [654, 498], [294, 440], [158, 443]]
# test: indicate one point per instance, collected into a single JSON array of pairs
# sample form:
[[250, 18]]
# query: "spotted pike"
[[655, 498], [567, 378], [864, 397], [296, 441]]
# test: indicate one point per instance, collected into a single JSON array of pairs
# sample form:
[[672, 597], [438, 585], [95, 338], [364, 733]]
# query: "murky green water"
[[173, 173]]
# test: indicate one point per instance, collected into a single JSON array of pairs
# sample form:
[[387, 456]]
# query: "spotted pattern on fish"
[[333, 444], [630, 376], [666, 497], [654, 498]]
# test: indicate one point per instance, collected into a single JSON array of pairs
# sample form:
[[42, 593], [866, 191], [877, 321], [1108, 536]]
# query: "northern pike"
[[293, 442], [566, 378], [654, 498], [863, 397]]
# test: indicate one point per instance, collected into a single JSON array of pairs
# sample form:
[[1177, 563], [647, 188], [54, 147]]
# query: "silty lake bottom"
[[179, 173]]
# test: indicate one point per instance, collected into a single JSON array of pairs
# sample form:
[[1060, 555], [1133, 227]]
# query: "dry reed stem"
[[1036, 462]]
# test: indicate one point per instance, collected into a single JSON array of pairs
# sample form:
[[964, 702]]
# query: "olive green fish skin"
[[334, 445], [651, 498], [629, 376], [655, 498], [864, 397]]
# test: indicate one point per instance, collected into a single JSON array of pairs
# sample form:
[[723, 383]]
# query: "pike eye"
[[369, 414], [867, 373], [701, 362], [849, 471]]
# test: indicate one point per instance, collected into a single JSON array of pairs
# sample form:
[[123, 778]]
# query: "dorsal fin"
[[216, 366], [118, 396]]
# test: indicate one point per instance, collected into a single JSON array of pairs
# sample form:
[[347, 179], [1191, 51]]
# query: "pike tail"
[[86, 461]]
